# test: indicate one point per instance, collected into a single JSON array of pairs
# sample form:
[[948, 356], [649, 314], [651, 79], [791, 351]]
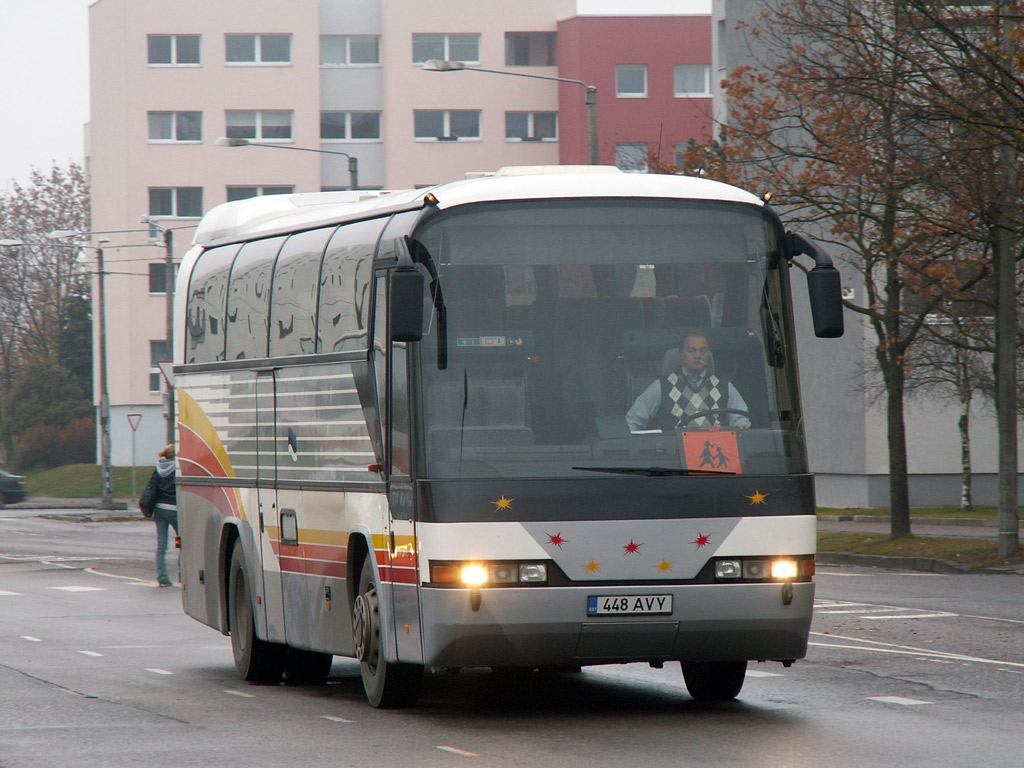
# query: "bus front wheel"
[[256, 660], [387, 684], [714, 680]]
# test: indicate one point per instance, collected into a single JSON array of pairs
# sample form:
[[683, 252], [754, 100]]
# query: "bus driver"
[[693, 389]]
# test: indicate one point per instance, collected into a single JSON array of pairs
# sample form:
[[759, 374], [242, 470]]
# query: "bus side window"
[[249, 299], [345, 286], [293, 306], [207, 296]]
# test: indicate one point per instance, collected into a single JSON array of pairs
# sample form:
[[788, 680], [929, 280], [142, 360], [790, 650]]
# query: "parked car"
[[12, 489]]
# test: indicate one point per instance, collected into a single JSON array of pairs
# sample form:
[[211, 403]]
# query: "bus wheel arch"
[[255, 659], [387, 684]]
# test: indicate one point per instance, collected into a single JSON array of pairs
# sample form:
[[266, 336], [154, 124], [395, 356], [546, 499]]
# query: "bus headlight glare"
[[784, 570], [473, 575]]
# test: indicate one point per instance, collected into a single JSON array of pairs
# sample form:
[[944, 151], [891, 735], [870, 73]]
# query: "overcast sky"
[[44, 76]]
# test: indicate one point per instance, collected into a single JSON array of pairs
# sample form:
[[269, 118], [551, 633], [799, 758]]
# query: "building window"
[[631, 156], [264, 124], [257, 49], [243, 193], [175, 126], [531, 126], [692, 80], [173, 50], [631, 81], [176, 201], [350, 125], [529, 49], [157, 354], [349, 50], [446, 124], [447, 47]]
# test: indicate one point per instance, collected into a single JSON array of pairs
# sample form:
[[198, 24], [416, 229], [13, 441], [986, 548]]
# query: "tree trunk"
[[899, 491], [966, 495]]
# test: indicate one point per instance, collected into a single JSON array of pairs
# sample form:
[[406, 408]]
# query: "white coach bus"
[[403, 433]]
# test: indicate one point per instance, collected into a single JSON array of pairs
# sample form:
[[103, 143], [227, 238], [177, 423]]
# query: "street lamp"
[[442, 65], [353, 162], [168, 234]]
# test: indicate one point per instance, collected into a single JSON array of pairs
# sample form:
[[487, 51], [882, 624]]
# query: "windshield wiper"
[[655, 471]]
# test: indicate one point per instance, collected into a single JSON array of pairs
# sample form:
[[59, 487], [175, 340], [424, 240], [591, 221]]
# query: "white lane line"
[[31, 639], [90, 653], [76, 588], [335, 719], [939, 615], [898, 700], [5, 593], [759, 673], [460, 752], [158, 671], [904, 650], [240, 694]]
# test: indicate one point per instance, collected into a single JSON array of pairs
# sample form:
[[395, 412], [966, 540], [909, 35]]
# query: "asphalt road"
[[99, 667]]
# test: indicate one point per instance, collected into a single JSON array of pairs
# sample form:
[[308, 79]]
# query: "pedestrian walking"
[[165, 510]]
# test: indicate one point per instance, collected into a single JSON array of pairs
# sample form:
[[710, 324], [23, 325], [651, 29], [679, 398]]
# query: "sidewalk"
[[967, 528]]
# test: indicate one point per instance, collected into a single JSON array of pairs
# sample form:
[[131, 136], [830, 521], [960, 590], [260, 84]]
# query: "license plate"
[[629, 605]]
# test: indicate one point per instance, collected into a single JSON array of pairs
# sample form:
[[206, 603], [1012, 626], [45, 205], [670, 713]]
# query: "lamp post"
[[168, 236], [442, 65], [353, 162]]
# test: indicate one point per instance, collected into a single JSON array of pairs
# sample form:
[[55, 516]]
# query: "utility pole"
[[107, 495], [169, 255]]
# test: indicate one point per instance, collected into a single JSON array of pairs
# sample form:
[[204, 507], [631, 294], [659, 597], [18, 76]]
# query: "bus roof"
[[257, 215]]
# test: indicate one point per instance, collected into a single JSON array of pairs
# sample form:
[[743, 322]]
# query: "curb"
[[923, 564], [967, 521]]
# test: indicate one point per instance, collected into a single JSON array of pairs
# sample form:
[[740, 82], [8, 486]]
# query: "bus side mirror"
[[825, 290], [406, 305], [824, 287]]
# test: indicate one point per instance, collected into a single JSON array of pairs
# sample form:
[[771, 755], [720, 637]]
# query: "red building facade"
[[653, 79]]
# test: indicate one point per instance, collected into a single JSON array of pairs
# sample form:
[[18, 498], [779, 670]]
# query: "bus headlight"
[[747, 569], [488, 574]]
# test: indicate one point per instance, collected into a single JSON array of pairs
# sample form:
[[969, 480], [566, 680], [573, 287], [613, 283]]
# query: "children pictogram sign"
[[714, 450]]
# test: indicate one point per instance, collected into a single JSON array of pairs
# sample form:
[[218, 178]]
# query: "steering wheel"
[[687, 418]]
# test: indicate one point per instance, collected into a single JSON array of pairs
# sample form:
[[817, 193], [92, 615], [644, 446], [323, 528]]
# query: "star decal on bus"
[[702, 540], [664, 566], [757, 498], [555, 539], [502, 503], [632, 548], [592, 567]]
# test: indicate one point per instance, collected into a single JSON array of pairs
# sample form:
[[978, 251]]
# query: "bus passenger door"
[[269, 512], [393, 401]]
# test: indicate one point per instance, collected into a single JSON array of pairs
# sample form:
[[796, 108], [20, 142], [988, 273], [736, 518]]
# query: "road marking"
[[905, 650], [939, 615], [759, 673], [460, 752], [74, 588], [31, 639], [241, 694], [898, 700], [335, 719], [5, 593], [90, 653], [158, 671]]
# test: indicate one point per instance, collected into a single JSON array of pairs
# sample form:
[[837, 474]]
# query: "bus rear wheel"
[[714, 680], [256, 660], [387, 684], [307, 667]]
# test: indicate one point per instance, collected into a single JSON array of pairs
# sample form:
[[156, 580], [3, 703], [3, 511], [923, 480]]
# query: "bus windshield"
[[570, 341]]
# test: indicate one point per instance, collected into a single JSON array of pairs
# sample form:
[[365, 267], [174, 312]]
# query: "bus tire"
[[307, 667], [256, 660], [714, 680], [388, 685]]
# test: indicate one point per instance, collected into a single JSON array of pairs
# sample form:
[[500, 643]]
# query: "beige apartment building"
[[344, 78]]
